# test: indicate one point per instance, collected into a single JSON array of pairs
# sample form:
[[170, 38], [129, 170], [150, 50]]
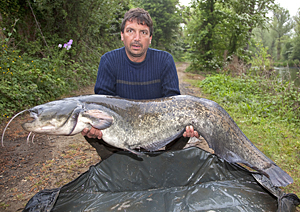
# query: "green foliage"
[[281, 25], [217, 30], [203, 19], [33, 68], [295, 55], [261, 60], [94, 26], [277, 139], [179, 49], [267, 112], [27, 81], [287, 49], [281, 36], [290, 63], [166, 18], [282, 43], [252, 95]]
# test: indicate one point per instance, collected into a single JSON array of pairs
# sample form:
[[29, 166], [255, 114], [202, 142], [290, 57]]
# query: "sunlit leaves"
[[218, 29]]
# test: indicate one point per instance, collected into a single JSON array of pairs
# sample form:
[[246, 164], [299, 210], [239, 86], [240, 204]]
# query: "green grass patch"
[[268, 114], [279, 141]]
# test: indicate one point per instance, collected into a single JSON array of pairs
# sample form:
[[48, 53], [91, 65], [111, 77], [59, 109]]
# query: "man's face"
[[136, 39]]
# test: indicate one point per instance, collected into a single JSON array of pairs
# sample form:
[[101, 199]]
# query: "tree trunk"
[[278, 49]]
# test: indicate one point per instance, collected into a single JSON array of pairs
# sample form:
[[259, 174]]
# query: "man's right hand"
[[92, 133]]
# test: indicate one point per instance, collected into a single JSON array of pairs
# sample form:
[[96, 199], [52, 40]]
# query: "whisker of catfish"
[[32, 138], [27, 140], [8, 125]]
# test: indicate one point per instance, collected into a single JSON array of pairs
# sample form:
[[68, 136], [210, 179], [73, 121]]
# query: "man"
[[135, 71]]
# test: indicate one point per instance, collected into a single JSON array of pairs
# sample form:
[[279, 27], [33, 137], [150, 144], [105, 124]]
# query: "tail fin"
[[278, 177]]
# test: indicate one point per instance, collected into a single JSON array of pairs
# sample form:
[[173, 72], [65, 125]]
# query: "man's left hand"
[[190, 132]]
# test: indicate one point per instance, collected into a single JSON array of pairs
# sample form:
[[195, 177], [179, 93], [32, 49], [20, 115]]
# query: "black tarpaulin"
[[185, 180]]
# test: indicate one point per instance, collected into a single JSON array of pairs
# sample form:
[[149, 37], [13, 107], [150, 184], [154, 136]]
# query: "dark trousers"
[[105, 150]]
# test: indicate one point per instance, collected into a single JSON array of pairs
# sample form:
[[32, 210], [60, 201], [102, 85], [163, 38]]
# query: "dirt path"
[[52, 161]]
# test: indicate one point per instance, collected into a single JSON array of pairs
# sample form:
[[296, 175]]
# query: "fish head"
[[55, 118], [67, 117]]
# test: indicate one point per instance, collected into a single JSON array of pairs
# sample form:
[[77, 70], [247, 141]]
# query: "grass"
[[274, 136], [276, 140]]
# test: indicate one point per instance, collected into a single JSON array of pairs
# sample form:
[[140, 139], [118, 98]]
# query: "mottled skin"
[[151, 124]]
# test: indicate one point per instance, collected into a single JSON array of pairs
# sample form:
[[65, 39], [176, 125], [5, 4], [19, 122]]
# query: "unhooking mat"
[[186, 180]]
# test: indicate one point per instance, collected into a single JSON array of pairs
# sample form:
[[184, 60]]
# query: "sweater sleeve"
[[106, 81], [169, 78]]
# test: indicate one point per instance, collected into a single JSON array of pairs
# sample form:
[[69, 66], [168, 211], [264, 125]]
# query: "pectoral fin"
[[98, 119]]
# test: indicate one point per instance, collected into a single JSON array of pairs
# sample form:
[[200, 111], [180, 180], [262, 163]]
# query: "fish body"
[[151, 124]]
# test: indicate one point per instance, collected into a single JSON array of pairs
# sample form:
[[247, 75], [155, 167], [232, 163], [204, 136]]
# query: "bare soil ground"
[[53, 161]]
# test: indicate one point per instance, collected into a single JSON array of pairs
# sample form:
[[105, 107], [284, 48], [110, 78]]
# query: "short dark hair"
[[139, 14]]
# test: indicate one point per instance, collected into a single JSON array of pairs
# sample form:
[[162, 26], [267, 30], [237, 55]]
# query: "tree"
[[166, 19], [219, 29], [297, 23], [253, 13], [281, 25], [202, 28], [295, 55], [296, 40], [93, 25], [287, 48]]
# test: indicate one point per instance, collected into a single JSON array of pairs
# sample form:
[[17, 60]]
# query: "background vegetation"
[[209, 34], [265, 112], [49, 47]]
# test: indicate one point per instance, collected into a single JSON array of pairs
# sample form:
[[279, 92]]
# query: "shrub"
[[27, 81]]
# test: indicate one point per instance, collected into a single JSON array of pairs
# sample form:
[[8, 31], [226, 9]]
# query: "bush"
[[27, 81]]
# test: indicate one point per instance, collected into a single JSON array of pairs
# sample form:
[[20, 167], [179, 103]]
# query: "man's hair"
[[141, 16]]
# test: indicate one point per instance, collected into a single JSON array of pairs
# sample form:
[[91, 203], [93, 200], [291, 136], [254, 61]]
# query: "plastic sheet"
[[185, 180]]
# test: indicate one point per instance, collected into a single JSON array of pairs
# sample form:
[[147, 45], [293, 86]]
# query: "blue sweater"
[[155, 77]]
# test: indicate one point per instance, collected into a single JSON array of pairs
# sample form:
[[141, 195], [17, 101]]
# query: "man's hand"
[[92, 133], [189, 132]]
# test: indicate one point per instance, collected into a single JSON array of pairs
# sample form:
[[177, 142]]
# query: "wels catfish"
[[151, 124]]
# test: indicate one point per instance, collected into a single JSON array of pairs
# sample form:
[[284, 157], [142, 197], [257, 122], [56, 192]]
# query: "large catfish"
[[151, 124]]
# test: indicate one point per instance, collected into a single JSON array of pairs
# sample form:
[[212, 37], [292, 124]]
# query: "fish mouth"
[[30, 124], [52, 121], [33, 116]]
